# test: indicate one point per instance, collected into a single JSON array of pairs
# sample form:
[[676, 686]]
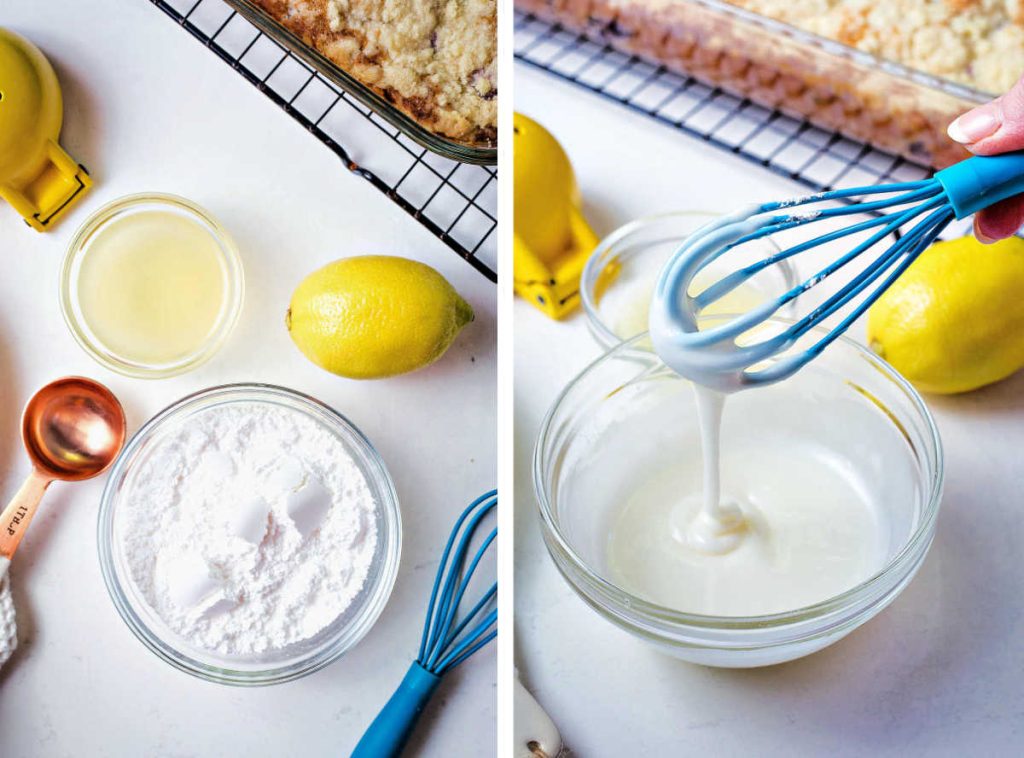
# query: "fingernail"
[[974, 126], [980, 235]]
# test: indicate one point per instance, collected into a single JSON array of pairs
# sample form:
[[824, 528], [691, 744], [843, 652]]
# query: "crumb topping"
[[973, 42], [979, 43], [435, 59]]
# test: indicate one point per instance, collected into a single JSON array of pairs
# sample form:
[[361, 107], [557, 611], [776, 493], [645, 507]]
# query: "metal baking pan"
[[775, 65], [449, 148]]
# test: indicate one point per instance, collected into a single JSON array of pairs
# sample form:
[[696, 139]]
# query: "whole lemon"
[[374, 316], [544, 189], [954, 321]]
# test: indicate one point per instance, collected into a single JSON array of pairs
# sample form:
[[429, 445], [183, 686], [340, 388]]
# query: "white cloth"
[[8, 630]]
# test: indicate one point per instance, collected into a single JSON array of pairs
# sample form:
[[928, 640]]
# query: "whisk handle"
[[389, 732], [977, 183]]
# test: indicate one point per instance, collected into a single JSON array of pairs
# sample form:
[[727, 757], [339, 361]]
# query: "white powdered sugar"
[[247, 527]]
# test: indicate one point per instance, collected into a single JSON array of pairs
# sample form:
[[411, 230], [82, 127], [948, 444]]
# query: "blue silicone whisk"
[[449, 638], [712, 356]]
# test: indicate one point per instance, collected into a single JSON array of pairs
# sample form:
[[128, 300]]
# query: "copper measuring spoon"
[[73, 429]]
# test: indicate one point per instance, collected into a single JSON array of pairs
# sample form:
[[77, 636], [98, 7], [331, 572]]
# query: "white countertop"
[[941, 672], [148, 108]]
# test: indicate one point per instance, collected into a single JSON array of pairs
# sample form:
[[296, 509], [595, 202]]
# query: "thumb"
[[996, 127]]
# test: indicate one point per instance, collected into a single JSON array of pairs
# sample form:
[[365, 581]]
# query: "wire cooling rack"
[[456, 202], [794, 148]]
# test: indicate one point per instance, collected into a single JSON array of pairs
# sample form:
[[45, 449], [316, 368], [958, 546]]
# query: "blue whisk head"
[[449, 637], [905, 219], [915, 213]]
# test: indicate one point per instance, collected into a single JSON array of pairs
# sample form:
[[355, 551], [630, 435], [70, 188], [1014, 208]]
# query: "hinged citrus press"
[[552, 240], [36, 176]]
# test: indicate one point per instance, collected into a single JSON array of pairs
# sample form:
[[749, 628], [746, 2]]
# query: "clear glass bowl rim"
[[604, 334], [902, 563], [231, 257], [317, 659]]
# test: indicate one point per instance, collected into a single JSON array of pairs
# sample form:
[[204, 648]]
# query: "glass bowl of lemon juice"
[[634, 255], [151, 285]]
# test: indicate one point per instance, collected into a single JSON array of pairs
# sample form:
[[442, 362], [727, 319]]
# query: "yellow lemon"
[[374, 316], [955, 320], [544, 189]]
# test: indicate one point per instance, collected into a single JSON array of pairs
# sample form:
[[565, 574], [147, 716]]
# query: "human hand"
[[990, 129]]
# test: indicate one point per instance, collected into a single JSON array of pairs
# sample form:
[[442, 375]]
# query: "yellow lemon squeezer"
[[552, 240], [36, 176]]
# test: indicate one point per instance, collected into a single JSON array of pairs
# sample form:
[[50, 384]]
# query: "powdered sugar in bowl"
[[249, 534]]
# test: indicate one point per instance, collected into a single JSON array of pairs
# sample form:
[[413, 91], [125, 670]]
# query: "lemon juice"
[[153, 286], [632, 319]]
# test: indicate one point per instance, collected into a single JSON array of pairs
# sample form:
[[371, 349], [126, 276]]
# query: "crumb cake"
[[738, 47], [979, 43], [434, 59]]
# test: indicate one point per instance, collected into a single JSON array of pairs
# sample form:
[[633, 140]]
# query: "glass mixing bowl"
[[627, 416], [301, 658], [637, 251]]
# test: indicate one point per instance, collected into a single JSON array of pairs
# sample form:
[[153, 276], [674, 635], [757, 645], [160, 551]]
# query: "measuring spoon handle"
[[18, 514]]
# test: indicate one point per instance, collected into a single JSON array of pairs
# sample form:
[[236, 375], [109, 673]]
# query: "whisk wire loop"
[[453, 580], [445, 644], [428, 630], [786, 366], [484, 599], [791, 221], [471, 644], [871, 272], [736, 353], [912, 192], [842, 194], [727, 284], [468, 619], [446, 613]]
